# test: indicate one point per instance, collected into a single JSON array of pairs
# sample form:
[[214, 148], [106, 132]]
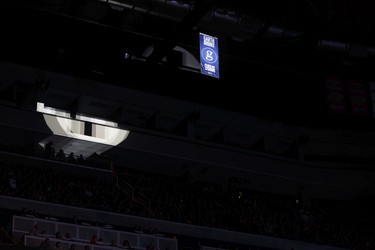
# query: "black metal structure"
[[275, 55]]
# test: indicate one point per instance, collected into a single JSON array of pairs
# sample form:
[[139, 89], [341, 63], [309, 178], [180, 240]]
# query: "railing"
[[163, 226], [126, 187], [145, 201], [35, 241], [83, 233]]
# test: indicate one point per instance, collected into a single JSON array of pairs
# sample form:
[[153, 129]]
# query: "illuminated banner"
[[209, 54]]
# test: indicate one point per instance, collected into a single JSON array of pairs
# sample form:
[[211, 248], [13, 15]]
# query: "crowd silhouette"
[[347, 224]]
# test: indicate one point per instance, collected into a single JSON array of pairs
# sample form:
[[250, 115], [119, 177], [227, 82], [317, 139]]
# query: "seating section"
[[182, 199], [82, 235]]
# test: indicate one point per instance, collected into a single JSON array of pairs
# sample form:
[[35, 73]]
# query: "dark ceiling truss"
[[188, 23], [264, 42], [309, 4], [261, 31]]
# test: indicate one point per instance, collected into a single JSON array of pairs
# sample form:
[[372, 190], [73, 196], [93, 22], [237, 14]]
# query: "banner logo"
[[209, 55]]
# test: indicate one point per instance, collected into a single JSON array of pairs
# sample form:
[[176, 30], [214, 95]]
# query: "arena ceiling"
[[274, 55]]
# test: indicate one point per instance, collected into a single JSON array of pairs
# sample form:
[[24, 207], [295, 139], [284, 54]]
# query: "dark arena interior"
[[113, 135]]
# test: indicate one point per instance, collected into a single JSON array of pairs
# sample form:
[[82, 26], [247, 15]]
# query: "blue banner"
[[209, 55]]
